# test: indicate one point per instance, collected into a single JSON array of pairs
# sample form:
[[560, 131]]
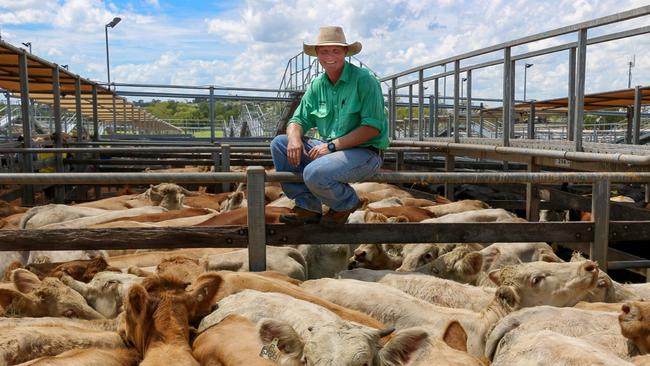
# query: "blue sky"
[[248, 43]]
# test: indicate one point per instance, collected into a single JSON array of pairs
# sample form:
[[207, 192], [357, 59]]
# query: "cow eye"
[[536, 280], [69, 313], [428, 256]]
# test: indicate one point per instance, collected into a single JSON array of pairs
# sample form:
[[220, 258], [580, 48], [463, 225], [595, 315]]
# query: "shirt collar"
[[345, 74]]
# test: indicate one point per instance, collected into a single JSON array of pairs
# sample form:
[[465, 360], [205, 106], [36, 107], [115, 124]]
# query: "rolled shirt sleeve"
[[302, 115], [372, 103]]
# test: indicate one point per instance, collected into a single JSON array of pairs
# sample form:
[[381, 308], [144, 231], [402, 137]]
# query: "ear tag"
[[271, 351]]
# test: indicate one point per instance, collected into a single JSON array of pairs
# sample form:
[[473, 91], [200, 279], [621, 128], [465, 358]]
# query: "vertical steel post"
[[114, 115], [647, 193], [531, 121], [421, 105], [636, 119], [600, 218], [28, 167], [256, 219], [628, 127], [225, 165], [124, 120], [393, 118], [469, 104], [580, 87], [213, 126], [59, 190], [572, 93], [399, 161], [95, 136], [9, 124], [391, 128], [513, 76], [456, 100], [432, 107], [436, 104], [450, 166], [532, 195], [77, 100], [507, 97], [410, 114], [480, 121]]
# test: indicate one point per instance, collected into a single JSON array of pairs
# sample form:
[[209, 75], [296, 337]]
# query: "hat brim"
[[353, 48]]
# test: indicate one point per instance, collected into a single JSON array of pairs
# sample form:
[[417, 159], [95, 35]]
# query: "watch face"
[[331, 147]]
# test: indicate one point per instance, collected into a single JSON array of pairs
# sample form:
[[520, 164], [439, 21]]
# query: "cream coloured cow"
[[26, 342], [89, 357], [485, 215], [431, 289], [463, 264], [597, 328], [307, 333], [524, 285], [281, 259], [105, 292], [609, 291], [28, 296], [457, 207], [549, 348], [325, 260], [40, 216]]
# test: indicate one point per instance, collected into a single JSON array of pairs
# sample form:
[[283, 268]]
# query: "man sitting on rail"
[[346, 105]]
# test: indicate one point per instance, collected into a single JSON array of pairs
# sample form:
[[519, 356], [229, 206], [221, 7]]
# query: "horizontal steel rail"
[[215, 97], [626, 15], [397, 177]]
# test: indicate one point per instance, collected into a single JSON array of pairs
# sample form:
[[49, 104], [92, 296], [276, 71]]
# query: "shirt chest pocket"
[[321, 113]]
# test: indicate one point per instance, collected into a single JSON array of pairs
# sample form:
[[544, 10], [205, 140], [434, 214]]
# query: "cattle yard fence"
[[594, 235]]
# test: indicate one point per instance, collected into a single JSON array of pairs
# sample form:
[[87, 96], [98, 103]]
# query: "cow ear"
[[24, 280], [401, 348], [545, 255], [289, 341], [137, 301], [206, 288], [489, 256], [472, 263], [396, 219], [455, 336], [495, 276], [508, 295], [8, 295]]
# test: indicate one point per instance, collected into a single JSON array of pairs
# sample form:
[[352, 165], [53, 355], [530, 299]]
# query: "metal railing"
[[576, 86], [257, 234]]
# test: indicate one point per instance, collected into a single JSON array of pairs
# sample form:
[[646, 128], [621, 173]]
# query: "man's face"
[[332, 58]]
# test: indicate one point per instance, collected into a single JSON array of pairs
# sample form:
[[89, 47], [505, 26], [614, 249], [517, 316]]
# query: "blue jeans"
[[327, 177]]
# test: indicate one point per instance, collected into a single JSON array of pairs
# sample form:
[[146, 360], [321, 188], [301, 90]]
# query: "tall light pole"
[[526, 66], [112, 24], [630, 65], [28, 45]]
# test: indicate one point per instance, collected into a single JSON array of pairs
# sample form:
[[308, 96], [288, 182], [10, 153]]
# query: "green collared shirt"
[[356, 100]]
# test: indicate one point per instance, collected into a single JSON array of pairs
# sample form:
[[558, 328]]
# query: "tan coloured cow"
[[157, 318], [231, 342], [456, 207], [28, 296], [634, 321], [89, 357]]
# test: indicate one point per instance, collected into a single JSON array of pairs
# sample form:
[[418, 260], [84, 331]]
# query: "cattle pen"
[[572, 159]]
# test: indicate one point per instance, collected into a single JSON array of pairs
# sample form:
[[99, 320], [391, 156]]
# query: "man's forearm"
[[294, 131], [356, 137]]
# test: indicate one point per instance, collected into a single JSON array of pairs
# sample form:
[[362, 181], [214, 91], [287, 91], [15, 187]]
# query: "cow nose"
[[591, 266], [352, 265], [625, 308], [360, 256]]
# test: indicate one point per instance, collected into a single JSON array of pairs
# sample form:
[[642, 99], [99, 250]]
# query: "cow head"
[[418, 255], [462, 264], [234, 201], [340, 343], [367, 256], [49, 297], [167, 195], [635, 325], [547, 283]]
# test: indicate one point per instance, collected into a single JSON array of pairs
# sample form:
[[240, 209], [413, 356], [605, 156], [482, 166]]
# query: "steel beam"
[[456, 101], [581, 63], [507, 97], [28, 191], [256, 219], [421, 105], [571, 107], [600, 218], [636, 119]]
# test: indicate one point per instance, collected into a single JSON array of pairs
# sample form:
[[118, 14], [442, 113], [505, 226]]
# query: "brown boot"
[[340, 217], [300, 216]]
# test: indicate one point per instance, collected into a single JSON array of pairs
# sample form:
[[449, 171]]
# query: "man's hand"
[[318, 151], [295, 149]]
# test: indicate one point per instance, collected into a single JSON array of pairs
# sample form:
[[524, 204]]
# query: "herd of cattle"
[[373, 304]]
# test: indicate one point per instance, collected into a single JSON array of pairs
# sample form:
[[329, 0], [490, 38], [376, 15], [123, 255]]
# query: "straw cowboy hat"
[[331, 36]]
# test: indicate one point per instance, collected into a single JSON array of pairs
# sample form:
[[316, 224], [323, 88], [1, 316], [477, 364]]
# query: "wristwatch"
[[331, 147]]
